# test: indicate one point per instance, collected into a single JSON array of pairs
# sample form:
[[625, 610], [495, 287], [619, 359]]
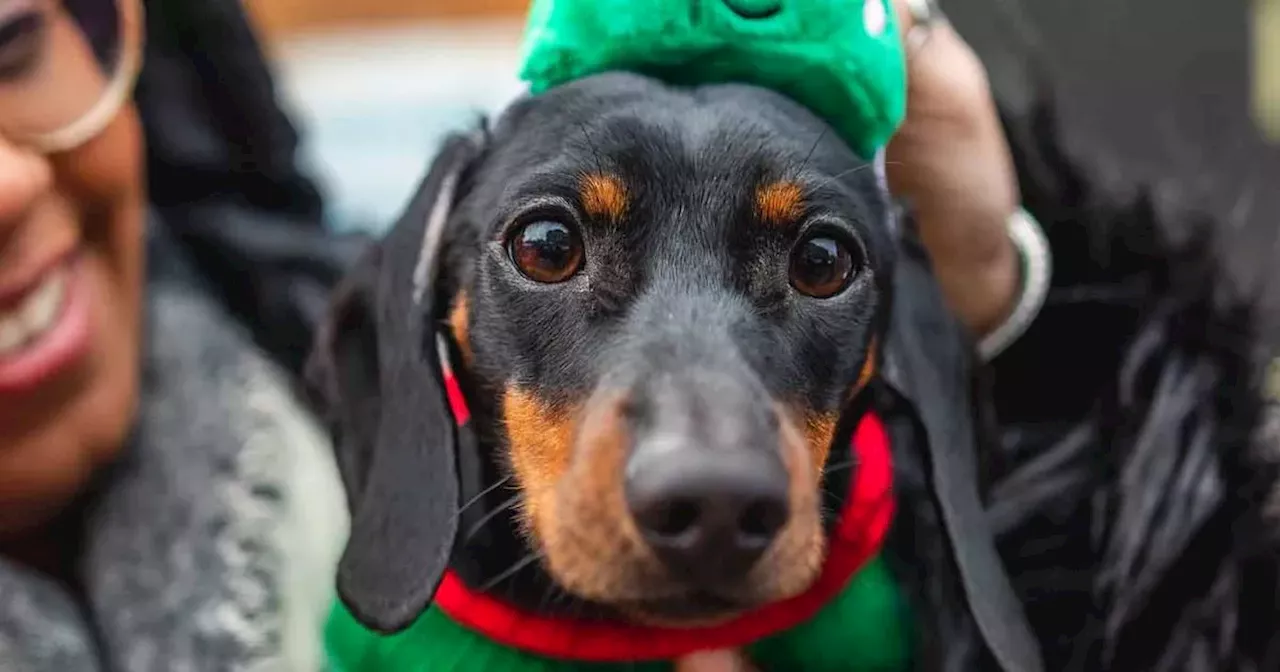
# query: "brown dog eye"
[[820, 267], [546, 251]]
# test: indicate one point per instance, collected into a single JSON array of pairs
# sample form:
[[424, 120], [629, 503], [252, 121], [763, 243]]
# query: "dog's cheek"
[[591, 544], [460, 327], [796, 557], [540, 441], [819, 426], [809, 431], [804, 443]]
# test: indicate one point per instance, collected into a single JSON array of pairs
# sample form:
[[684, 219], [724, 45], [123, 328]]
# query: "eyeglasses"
[[66, 68]]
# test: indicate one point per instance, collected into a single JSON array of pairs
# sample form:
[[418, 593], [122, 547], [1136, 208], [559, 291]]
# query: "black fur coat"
[[1132, 479]]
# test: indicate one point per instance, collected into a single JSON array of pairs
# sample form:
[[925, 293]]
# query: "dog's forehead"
[[637, 121]]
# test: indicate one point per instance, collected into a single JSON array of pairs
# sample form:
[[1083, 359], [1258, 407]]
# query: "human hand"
[[950, 162]]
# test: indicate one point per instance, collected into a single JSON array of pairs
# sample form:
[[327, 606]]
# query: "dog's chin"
[[637, 592], [699, 608], [648, 598]]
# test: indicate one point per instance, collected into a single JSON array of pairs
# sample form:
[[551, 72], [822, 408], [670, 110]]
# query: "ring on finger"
[[925, 14]]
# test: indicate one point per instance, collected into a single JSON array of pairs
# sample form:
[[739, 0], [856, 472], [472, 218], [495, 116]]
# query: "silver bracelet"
[[1037, 271]]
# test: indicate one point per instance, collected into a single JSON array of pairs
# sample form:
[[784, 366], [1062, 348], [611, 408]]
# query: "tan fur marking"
[[541, 443], [779, 203], [819, 431], [795, 558], [604, 196], [592, 545], [460, 326], [868, 367]]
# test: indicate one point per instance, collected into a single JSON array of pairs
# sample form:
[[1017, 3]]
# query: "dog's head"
[[662, 301]]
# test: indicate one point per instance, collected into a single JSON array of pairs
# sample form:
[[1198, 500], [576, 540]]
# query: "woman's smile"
[[44, 326], [72, 217]]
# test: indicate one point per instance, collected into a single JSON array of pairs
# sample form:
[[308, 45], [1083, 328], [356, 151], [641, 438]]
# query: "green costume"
[[867, 621], [842, 59]]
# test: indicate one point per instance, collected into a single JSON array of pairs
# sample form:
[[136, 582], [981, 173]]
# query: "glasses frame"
[[119, 89]]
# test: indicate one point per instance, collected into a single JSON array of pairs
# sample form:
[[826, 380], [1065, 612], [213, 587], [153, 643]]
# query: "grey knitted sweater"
[[213, 543]]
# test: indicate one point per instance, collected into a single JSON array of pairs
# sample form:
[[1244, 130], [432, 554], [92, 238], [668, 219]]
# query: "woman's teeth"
[[34, 316]]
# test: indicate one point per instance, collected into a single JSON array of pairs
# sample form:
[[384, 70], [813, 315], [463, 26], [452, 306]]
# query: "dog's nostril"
[[761, 520], [707, 515], [672, 519]]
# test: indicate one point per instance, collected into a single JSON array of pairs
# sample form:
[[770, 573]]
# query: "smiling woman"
[[154, 465], [71, 222]]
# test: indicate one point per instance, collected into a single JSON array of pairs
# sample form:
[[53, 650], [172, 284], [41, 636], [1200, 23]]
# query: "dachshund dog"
[[666, 310], [661, 303]]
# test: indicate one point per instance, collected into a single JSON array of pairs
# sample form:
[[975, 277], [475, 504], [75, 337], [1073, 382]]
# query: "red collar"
[[858, 537]]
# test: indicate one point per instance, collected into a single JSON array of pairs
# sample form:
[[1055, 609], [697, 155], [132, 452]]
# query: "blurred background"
[[377, 83], [1182, 91]]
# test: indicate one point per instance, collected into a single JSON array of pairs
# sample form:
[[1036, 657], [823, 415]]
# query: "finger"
[[917, 20], [906, 20], [943, 71], [722, 660]]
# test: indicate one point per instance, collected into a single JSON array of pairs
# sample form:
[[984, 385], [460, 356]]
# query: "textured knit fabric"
[[213, 542], [841, 58]]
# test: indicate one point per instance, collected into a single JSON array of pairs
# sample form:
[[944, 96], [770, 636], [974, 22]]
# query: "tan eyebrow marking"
[[779, 203], [604, 196]]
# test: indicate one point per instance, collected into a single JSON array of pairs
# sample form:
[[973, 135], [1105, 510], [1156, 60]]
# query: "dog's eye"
[[546, 251], [820, 267]]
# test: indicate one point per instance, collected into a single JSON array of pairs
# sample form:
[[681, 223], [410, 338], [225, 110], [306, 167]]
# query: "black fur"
[[688, 259]]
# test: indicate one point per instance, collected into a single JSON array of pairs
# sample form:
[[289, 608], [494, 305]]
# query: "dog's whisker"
[[839, 466], [475, 500], [550, 596], [832, 497], [560, 596], [511, 571], [595, 151], [870, 511], [804, 164], [828, 513], [845, 173], [578, 607], [509, 504]]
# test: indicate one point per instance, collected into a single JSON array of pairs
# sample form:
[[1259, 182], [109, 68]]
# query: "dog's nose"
[[707, 514]]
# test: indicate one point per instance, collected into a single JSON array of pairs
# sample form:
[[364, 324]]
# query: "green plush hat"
[[843, 59]]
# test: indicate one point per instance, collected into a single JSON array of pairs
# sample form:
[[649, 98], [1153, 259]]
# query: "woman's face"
[[71, 274]]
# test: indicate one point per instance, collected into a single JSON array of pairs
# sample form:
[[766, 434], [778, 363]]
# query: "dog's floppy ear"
[[376, 372]]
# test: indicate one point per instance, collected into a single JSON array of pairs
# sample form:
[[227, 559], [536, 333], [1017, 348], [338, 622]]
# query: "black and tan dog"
[[666, 310], [662, 303]]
